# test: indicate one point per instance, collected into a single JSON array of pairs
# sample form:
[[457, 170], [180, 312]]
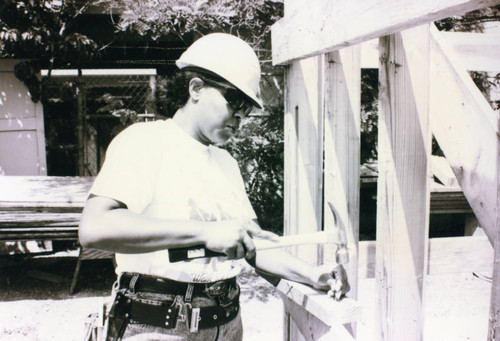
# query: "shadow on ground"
[[50, 278]]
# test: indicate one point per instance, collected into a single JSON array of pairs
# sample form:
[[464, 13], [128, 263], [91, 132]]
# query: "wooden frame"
[[417, 65]]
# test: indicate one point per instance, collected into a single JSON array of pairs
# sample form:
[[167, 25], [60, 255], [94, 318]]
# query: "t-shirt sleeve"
[[128, 172]]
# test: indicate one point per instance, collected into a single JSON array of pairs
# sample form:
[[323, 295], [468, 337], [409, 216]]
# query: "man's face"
[[219, 121]]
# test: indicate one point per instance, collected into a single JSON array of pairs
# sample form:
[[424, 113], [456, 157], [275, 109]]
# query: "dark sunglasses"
[[234, 97]]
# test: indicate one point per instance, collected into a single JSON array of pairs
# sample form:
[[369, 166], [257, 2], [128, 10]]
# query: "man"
[[165, 188]]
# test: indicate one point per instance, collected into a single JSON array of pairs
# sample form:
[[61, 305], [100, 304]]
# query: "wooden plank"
[[442, 171], [63, 234], [319, 304], [37, 206], [303, 160], [465, 127], [445, 256], [48, 219], [477, 51], [446, 202], [44, 189], [311, 327], [342, 152], [494, 318], [311, 30], [403, 186], [303, 152]]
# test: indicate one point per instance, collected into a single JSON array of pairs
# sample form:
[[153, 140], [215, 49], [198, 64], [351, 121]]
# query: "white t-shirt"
[[157, 169]]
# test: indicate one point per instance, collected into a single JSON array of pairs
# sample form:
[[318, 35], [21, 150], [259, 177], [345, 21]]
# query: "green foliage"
[[41, 30], [251, 19], [259, 150], [111, 105], [470, 22], [170, 96], [369, 115]]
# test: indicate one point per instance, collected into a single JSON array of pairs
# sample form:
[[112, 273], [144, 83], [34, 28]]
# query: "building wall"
[[22, 138]]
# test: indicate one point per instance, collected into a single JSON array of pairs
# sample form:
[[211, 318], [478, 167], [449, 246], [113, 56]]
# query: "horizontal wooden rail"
[[320, 304], [318, 316], [39, 233], [308, 30]]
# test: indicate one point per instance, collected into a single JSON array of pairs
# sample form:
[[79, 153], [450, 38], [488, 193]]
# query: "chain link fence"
[[83, 113]]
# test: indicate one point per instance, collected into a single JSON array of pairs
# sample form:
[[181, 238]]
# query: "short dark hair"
[[173, 93]]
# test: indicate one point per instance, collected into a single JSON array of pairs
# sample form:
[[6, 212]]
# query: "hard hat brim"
[[245, 90]]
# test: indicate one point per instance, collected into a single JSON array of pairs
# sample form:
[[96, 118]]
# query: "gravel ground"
[[35, 303]]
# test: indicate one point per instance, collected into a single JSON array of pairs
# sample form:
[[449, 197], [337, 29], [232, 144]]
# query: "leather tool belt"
[[129, 307]]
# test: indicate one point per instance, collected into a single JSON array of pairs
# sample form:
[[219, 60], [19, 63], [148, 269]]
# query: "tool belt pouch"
[[127, 307]]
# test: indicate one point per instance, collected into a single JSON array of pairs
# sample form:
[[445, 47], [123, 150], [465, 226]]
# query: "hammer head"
[[342, 253]]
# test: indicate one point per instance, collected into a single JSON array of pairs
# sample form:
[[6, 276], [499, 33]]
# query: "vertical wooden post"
[[303, 159], [304, 151], [80, 127], [494, 320], [403, 194], [342, 102]]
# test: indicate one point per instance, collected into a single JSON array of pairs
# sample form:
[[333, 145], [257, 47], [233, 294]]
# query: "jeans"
[[232, 331]]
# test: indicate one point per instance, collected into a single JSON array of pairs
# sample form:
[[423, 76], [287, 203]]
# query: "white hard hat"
[[228, 57]]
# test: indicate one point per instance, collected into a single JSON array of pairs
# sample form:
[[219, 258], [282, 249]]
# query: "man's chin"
[[222, 137]]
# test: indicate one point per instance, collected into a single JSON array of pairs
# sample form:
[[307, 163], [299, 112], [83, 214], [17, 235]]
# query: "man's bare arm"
[[107, 224]]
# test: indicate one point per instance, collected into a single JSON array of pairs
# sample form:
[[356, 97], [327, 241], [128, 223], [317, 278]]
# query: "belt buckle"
[[217, 289]]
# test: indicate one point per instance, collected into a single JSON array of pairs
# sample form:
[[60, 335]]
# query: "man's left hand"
[[334, 281]]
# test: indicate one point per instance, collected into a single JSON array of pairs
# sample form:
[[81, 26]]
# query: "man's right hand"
[[234, 237]]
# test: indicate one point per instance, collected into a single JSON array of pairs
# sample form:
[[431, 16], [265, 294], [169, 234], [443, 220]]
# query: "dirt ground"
[[35, 303]]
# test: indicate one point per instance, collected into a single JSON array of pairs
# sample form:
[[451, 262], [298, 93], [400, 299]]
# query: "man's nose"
[[238, 116]]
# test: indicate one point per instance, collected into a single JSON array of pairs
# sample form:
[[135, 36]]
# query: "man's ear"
[[195, 86]]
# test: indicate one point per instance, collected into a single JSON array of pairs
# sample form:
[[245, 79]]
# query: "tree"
[[259, 150], [186, 19], [43, 32]]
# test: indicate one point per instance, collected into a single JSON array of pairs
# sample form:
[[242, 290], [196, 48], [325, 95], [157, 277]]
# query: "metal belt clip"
[[132, 283], [189, 292], [181, 308], [195, 320]]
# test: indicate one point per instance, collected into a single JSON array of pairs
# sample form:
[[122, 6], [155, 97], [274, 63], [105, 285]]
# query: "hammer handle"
[[199, 251]]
